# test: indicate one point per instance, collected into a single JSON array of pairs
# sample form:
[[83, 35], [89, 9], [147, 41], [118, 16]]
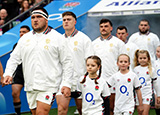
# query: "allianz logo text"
[[134, 3]]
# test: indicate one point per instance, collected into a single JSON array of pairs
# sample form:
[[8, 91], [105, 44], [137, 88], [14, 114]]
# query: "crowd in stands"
[[10, 9]]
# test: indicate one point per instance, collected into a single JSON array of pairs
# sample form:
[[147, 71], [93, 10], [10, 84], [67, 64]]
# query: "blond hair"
[[136, 63]]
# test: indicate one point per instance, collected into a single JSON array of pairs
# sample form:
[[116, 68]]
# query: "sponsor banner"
[[125, 7]]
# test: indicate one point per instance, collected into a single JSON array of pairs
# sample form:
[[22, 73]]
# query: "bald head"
[[3, 14]]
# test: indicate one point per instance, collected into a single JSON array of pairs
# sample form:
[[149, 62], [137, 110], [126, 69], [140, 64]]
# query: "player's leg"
[[111, 103], [33, 111], [42, 108], [63, 104], [146, 108], [16, 90], [79, 105], [44, 102]]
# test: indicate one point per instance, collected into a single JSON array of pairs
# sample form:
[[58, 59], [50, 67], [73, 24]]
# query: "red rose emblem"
[[47, 97], [147, 99], [114, 88], [130, 113], [129, 80], [96, 87], [147, 73]]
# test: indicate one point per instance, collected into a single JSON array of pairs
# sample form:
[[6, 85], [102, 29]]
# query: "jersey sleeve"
[[106, 90], [154, 75], [111, 81], [136, 83], [79, 89]]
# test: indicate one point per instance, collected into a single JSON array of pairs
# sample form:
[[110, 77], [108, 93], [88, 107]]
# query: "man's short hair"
[[145, 20], [121, 28], [68, 13], [104, 20], [25, 26]]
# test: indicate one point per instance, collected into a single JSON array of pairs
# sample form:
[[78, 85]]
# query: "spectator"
[[11, 7], [24, 7], [31, 2], [3, 19], [42, 4]]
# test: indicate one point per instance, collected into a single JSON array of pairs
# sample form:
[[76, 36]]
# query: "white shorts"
[[45, 97], [124, 113], [73, 88], [144, 100]]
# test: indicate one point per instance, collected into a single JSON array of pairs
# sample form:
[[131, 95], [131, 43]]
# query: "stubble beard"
[[40, 29]]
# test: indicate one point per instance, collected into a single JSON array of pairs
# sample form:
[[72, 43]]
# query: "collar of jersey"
[[144, 34], [73, 34], [45, 32], [107, 38]]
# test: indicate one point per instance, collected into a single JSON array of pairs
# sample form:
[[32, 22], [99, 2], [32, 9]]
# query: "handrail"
[[21, 14]]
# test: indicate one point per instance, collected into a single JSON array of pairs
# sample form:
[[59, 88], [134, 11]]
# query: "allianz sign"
[[134, 3]]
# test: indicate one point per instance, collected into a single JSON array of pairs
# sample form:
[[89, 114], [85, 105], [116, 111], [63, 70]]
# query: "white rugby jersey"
[[81, 48], [148, 42], [45, 57], [130, 51], [157, 67], [108, 50], [91, 95], [124, 85], [145, 80]]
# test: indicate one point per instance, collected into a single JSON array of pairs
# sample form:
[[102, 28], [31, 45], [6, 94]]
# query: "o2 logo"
[[143, 81], [123, 90], [89, 98], [158, 72]]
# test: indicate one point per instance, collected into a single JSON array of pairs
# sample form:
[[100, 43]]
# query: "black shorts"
[[18, 76]]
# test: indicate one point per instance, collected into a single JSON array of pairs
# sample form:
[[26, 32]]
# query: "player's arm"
[[67, 67], [139, 95], [1, 72], [156, 86]]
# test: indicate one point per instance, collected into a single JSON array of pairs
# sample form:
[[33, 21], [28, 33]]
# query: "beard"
[[40, 29], [143, 32]]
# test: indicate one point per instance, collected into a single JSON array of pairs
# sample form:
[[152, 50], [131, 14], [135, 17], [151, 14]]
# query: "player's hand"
[[140, 109], [7, 80], [157, 106], [158, 100], [66, 91]]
